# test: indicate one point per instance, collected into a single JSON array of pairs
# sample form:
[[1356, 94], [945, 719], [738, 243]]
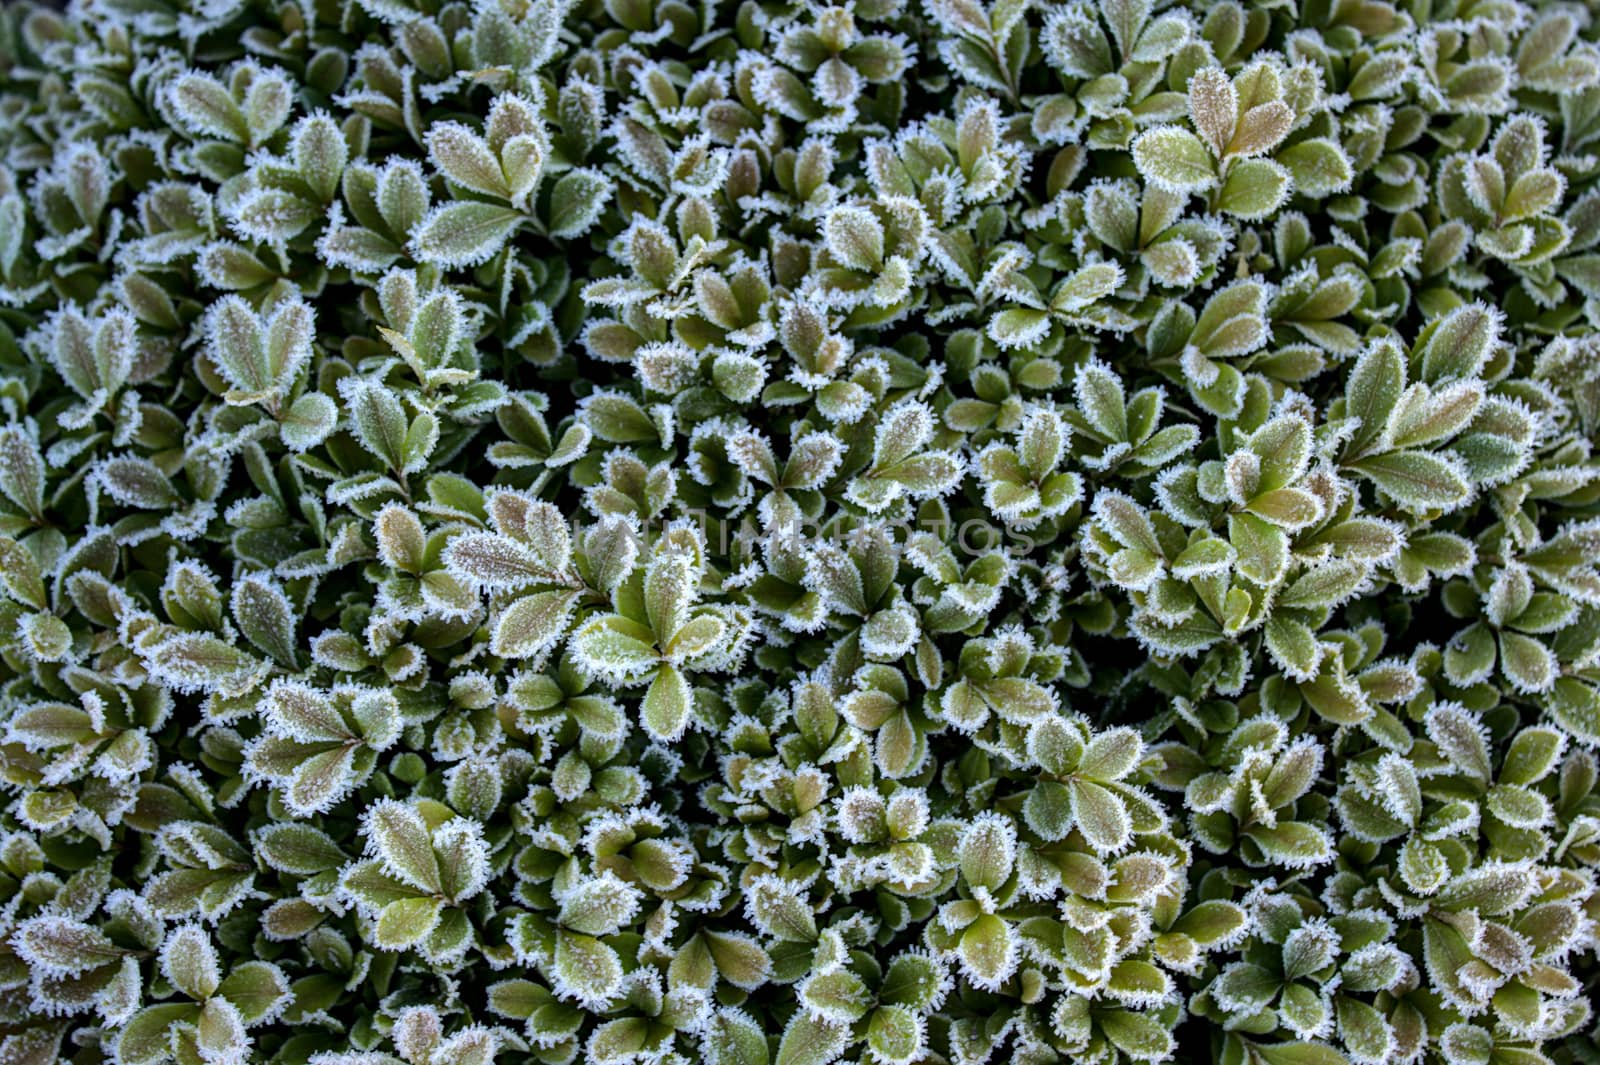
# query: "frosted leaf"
[[465, 158], [267, 102], [862, 816], [732, 1038], [59, 946], [308, 422], [418, 1030], [463, 858], [1086, 286], [205, 107], [87, 177], [320, 154], [1254, 189], [22, 470], [611, 549], [299, 849], [905, 430], [586, 970], [378, 420], [497, 562], [988, 952], [599, 907], [1174, 159], [302, 713], [193, 662], [779, 908], [855, 238], [463, 234], [1214, 108], [1319, 167], [189, 961], [1111, 755], [271, 216], [577, 201], [1074, 44], [266, 617], [237, 345], [400, 537], [1457, 346], [523, 159], [1261, 128], [533, 623], [399, 838], [988, 851]]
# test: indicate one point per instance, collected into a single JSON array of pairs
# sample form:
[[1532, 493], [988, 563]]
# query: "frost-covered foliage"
[[912, 532]]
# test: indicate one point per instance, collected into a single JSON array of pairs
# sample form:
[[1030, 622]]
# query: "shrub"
[[775, 534]]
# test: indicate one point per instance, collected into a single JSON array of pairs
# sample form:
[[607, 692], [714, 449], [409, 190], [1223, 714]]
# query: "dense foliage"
[[919, 531]]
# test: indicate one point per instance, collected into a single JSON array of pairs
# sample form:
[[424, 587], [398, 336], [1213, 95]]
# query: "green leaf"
[[1372, 395], [1174, 160], [1139, 1035], [1100, 815], [1048, 810], [1212, 922], [1292, 844], [65, 946], [465, 158], [1086, 285], [533, 623], [1529, 665], [1262, 548], [811, 1040], [587, 966], [894, 1035], [1111, 755], [1254, 189], [308, 422], [1418, 480], [987, 851], [463, 234], [839, 996], [1018, 327], [739, 958], [577, 201], [613, 646], [144, 1039], [320, 154], [1457, 346], [198, 662], [1293, 646], [138, 483], [256, 988], [1319, 166], [987, 953], [1323, 586], [777, 908], [406, 922], [1299, 1054], [266, 617], [204, 106], [1532, 756], [400, 838], [667, 705], [189, 962], [22, 473], [378, 420], [731, 1038], [913, 980]]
